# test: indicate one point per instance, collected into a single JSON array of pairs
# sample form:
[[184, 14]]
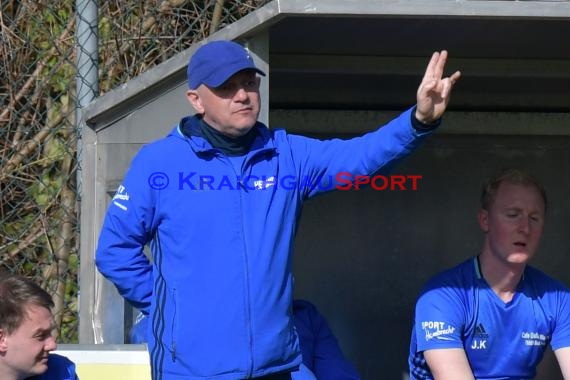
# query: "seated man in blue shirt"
[[26, 333], [493, 316]]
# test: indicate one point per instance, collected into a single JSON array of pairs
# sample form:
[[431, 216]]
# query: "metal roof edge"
[[151, 84], [481, 8]]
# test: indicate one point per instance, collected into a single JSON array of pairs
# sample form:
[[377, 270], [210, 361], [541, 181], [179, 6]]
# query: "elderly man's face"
[[231, 108]]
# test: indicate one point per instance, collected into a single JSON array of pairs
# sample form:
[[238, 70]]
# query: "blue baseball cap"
[[215, 62]]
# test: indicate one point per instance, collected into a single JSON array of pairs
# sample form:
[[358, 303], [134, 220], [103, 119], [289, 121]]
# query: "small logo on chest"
[[479, 344], [535, 338], [480, 338]]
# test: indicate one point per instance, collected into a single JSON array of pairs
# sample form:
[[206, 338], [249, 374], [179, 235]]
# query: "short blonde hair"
[[512, 176]]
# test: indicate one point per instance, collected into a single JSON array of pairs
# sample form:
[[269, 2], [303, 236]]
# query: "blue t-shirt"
[[59, 368], [303, 373], [320, 349], [458, 309]]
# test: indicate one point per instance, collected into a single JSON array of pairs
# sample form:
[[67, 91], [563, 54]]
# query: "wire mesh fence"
[[152, 31], [39, 136]]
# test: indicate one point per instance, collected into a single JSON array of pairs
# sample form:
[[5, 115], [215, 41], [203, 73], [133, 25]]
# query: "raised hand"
[[434, 90]]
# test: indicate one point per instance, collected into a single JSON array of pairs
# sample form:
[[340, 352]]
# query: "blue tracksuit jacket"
[[219, 286]]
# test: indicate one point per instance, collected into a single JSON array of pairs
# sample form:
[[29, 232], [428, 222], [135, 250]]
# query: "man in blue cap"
[[211, 202]]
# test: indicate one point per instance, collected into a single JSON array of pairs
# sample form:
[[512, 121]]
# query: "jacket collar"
[[189, 129]]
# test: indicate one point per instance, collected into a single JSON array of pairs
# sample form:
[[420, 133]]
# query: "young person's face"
[[514, 223], [231, 108], [25, 351]]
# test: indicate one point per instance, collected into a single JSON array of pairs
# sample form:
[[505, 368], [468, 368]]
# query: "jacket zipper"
[[173, 345], [247, 308]]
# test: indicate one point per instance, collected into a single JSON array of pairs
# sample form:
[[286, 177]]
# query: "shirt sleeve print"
[[439, 320]]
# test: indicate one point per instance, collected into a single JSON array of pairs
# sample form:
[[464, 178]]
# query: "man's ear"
[[3, 341], [195, 100], [483, 218]]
